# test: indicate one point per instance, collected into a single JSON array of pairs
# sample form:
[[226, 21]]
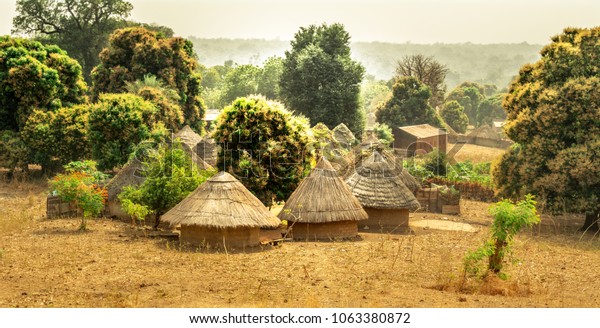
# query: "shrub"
[[509, 219], [80, 185]]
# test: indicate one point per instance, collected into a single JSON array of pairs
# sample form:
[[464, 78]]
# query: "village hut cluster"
[[367, 190]]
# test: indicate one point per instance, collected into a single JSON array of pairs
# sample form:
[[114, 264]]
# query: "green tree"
[[408, 105], [320, 80], [163, 97], [81, 27], [241, 81], [34, 76], [427, 70], [373, 93], [268, 80], [170, 176], [117, 123], [133, 53], [56, 138], [264, 145], [509, 219], [468, 95], [453, 114], [490, 109], [553, 112]]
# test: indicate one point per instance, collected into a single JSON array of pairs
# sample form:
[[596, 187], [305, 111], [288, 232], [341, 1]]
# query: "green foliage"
[[490, 109], [13, 151], [117, 123], [427, 70], [80, 185], [320, 80], [408, 105], [241, 81], [453, 114], [79, 26], [135, 52], [468, 95], [373, 93], [384, 133], [268, 80], [436, 161], [468, 171], [164, 98], [264, 145], [57, 138], [170, 176], [553, 114], [509, 219], [34, 76]]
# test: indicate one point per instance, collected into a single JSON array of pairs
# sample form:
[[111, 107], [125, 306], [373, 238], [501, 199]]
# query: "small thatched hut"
[[382, 192], [129, 175], [221, 212], [188, 137], [344, 136], [322, 207], [207, 149]]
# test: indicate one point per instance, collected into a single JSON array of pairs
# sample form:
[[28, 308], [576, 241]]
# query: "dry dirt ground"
[[475, 153], [49, 263]]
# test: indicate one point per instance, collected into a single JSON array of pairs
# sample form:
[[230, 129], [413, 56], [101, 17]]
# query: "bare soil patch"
[[48, 263]]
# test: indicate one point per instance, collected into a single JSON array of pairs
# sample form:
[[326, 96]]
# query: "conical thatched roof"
[[207, 149], [343, 135], [221, 202], [377, 184], [322, 197], [188, 137], [129, 175]]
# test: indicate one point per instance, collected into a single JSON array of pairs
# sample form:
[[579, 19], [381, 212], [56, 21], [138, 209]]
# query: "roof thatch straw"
[[221, 202], [343, 135], [129, 175], [322, 197], [188, 137], [377, 184], [207, 149], [486, 131]]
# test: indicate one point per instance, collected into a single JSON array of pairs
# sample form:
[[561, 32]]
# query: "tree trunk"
[[495, 260], [157, 216], [591, 221]]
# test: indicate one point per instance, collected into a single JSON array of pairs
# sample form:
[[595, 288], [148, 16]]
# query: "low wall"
[[324, 231], [214, 237]]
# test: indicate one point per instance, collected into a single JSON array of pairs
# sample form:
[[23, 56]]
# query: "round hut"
[[322, 207], [381, 190], [129, 175], [189, 141], [221, 212]]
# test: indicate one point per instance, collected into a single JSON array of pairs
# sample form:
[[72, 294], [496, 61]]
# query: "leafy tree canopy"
[[320, 79], [81, 27], [133, 53], [468, 95], [427, 70], [34, 76], [490, 109], [453, 114], [264, 145], [553, 112], [408, 105]]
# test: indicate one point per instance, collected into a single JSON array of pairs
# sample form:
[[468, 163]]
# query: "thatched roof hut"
[[322, 207], [343, 135], [381, 190], [208, 149], [221, 211], [188, 137], [129, 175]]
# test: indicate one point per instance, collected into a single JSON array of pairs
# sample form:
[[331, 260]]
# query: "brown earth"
[[49, 263]]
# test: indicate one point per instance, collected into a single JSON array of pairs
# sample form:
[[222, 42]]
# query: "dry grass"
[[475, 153], [49, 263]]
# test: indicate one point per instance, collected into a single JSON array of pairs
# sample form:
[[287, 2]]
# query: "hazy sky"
[[416, 21]]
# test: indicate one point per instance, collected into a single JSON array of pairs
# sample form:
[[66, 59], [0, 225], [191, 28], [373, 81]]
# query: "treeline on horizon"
[[494, 64]]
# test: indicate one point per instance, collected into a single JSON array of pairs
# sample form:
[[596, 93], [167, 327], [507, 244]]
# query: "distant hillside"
[[490, 63]]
